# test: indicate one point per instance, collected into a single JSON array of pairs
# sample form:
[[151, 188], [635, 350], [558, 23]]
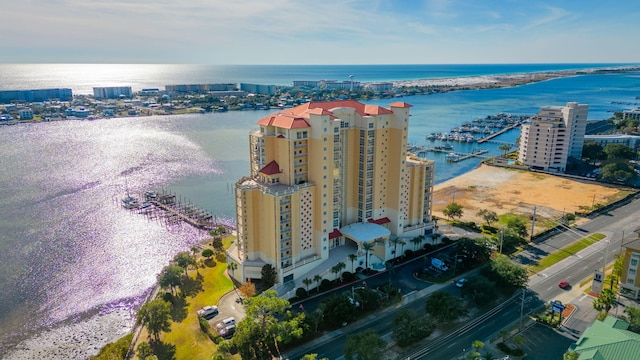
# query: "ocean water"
[[81, 78], [74, 264]]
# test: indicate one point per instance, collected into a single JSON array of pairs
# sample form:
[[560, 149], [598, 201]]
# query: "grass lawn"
[[565, 252], [189, 341]]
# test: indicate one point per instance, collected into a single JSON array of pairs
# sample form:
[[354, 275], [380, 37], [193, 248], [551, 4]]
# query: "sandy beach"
[[492, 81], [519, 191]]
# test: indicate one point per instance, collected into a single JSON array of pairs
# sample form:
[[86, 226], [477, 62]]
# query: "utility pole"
[[533, 222]]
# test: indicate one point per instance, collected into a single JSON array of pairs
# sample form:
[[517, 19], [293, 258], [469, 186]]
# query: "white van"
[[227, 322], [208, 312]]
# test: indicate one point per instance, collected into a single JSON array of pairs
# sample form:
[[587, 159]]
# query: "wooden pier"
[[169, 209], [497, 133]]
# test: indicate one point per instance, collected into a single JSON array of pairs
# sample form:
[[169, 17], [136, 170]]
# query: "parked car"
[[208, 312], [227, 331], [226, 323], [460, 283]]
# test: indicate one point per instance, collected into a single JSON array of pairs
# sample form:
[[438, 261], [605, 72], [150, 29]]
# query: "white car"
[[460, 283], [208, 312]]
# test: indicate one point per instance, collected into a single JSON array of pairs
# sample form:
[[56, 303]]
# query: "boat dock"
[[452, 156], [170, 209], [497, 133]]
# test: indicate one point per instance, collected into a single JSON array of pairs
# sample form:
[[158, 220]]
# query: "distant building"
[[608, 340], [112, 92], [549, 138], [310, 84], [149, 92], [199, 88], [29, 96], [25, 114], [80, 112], [632, 141], [258, 89], [329, 179], [631, 114], [629, 277], [379, 86]]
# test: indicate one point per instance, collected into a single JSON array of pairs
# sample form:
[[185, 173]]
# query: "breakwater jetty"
[[171, 209]]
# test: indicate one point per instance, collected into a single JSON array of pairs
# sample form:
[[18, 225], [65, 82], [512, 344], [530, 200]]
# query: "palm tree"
[[416, 240], [367, 247], [335, 269], [352, 257], [341, 266], [402, 244], [504, 149], [307, 282], [317, 279], [477, 345], [395, 241], [232, 266]]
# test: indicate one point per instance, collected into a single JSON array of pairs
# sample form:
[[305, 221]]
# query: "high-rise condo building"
[[329, 180], [549, 138]]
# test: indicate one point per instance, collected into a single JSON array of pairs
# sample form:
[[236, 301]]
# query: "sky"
[[319, 31]]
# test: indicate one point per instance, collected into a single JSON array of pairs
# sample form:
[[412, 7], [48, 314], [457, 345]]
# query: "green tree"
[[335, 269], [260, 334], [453, 211], [269, 276], [307, 282], [443, 306], [408, 328], [232, 266], [605, 301], [489, 216], [518, 226], [337, 310], [416, 241], [353, 258], [480, 290], [317, 279], [170, 277], [207, 253], [619, 151], [184, 260], [593, 152], [507, 273], [155, 316], [144, 350], [312, 357], [617, 171], [366, 345], [570, 355], [367, 246], [504, 148], [633, 318]]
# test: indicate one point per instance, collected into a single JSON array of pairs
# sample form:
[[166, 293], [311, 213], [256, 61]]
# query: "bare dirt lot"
[[519, 191]]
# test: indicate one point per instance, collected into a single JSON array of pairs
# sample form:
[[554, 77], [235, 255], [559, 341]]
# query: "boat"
[[129, 202], [447, 147], [452, 156]]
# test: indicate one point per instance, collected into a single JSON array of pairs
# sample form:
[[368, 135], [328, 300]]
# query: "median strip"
[[564, 252]]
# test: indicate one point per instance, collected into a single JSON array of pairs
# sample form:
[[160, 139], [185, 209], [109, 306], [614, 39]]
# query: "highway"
[[542, 288]]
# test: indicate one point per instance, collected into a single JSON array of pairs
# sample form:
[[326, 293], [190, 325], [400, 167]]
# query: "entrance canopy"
[[365, 232]]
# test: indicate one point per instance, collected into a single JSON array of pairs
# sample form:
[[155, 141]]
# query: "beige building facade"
[[329, 180], [549, 138], [629, 278]]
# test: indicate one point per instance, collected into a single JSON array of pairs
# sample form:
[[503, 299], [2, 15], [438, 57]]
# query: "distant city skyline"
[[320, 32]]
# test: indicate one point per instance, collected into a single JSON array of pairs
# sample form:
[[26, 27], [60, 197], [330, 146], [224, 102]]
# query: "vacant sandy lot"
[[507, 190]]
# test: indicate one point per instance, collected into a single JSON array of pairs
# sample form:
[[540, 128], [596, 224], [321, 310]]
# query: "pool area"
[[378, 267]]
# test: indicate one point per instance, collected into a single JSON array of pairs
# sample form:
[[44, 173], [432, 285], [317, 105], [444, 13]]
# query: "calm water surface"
[[74, 264]]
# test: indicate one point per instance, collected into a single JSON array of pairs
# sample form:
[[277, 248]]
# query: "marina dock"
[[170, 209]]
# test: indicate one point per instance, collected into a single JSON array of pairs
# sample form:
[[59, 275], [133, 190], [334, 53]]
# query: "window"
[[634, 262]]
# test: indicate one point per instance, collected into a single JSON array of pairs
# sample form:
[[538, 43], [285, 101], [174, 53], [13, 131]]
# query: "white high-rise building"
[[549, 138]]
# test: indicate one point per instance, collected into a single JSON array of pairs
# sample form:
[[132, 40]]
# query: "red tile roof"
[[271, 168], [295, 118], [335, 234], [380, 221], [401, 104]]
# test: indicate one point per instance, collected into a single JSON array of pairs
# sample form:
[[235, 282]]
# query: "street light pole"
[[521, 311]]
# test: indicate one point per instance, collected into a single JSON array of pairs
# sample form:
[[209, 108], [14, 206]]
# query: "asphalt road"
[[618, 226]]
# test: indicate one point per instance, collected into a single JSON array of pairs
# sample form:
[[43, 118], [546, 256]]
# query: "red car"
[[563, 284]]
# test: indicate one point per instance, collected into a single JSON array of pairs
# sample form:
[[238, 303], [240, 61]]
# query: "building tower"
[[326, 179], [549, 138]]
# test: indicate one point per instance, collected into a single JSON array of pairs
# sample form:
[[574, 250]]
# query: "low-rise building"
[[632, 141], [607, 340], [25, 114], [629, 279]]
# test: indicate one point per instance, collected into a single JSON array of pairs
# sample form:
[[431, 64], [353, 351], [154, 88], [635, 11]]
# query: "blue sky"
[[319, 31]]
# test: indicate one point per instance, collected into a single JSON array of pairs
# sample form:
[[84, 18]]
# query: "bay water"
[[74, 264]]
